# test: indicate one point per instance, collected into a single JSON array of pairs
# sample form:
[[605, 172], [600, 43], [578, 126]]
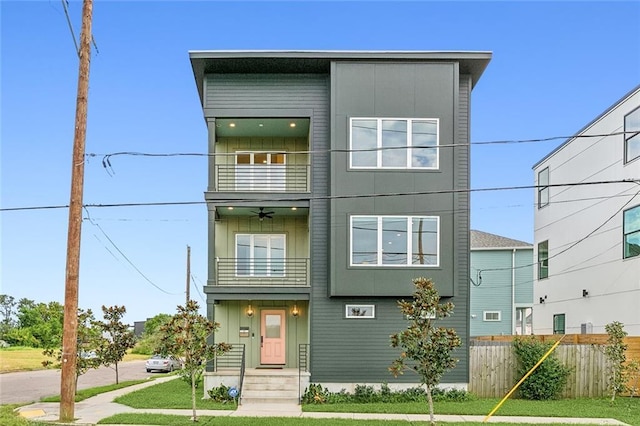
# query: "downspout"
[[513, 291]]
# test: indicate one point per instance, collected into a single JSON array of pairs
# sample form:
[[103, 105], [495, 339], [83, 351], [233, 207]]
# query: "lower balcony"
[[262, 273]]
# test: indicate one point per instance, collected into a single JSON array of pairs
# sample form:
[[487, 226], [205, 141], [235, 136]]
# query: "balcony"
[[263, 272], [262, 178]]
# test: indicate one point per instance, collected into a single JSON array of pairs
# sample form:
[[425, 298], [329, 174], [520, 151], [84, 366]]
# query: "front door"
[[272, 337]]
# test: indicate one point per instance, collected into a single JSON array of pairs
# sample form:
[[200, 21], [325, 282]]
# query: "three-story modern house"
[[587, 235], [335, 178]]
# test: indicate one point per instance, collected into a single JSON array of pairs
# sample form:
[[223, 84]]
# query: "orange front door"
[[272, 337]]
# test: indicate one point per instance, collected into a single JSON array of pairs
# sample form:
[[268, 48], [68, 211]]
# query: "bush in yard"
[[221, 394], [548, 380], [366, 394]]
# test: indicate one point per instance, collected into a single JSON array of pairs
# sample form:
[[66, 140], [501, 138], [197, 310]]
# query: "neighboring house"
[[335, 178], [587, 237], [501, 285]]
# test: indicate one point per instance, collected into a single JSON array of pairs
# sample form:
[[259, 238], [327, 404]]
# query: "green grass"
[[171, 394], [624, 409], [172, 420], [9, 418], [83, 394]]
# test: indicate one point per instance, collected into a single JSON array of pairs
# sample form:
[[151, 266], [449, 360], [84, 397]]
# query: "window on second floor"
[[631, 231], [394, 143], [543, 187], [558, 324], [394, 241], [543, 260], [260, 255], [632, 135]]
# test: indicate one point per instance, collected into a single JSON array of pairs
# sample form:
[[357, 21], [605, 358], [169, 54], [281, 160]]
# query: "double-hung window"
[[543, 187], [260, 255], [631, 231], [632, 135], [543, 260], [394, 241], [394, 143]]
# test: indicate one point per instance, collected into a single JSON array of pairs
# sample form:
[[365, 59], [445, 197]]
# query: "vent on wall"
[[586, 328]]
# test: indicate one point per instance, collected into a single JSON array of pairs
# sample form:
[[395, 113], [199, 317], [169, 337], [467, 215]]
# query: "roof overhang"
[[319, 62]]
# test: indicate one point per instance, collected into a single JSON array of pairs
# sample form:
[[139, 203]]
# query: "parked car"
[[163, 363], [88, 355]]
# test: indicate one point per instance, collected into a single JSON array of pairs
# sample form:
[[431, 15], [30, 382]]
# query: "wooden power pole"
[[188, 274], [70, 329]]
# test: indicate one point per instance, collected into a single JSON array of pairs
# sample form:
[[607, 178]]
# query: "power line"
[[333, 197], [106, 157], [125, 256]]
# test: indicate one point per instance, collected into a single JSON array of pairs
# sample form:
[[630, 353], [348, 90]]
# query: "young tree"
[[88, 341], [426, 349], [115, 337], [615, 352], [185, 335]]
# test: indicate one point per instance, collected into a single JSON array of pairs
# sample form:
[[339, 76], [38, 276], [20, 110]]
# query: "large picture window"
[[260, 255], [543, 260], [394, 241], [543, 188], [394, 143], [632, 135], [631, 231]]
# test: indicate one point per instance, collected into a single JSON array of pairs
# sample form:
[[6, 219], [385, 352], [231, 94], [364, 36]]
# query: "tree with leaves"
[[115, 337], [185, 335], [615, 352], [151, 336], [7, 305], [426, 349], [88, 340]]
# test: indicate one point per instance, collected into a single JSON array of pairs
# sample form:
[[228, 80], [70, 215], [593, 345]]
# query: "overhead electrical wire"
[[334, 197]]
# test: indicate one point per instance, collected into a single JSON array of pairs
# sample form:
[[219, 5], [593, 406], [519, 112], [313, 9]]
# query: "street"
[[30, 386]]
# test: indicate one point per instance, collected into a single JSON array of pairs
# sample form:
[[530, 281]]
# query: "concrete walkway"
[[92, 410]]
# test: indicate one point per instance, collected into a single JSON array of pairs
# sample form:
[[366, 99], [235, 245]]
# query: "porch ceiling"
[[262, 127], [250, 211]]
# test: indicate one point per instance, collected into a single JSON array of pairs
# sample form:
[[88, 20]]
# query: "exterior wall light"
[[249, 311], [295, 312]]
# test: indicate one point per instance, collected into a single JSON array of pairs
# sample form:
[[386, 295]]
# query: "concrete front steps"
[[271, 386]]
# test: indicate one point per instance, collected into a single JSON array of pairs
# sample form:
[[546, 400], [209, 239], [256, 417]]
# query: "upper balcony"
[[258, 155]]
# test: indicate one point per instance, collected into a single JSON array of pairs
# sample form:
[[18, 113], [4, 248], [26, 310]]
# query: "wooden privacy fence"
[[493, 364]]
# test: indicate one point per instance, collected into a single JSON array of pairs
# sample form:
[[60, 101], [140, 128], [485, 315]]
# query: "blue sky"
[[555, 67]]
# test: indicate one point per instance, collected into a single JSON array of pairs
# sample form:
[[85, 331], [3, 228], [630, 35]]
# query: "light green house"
[[501, 285]]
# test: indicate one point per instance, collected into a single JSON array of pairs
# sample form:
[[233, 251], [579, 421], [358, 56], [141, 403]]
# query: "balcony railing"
[[264, 272], [271, 178]]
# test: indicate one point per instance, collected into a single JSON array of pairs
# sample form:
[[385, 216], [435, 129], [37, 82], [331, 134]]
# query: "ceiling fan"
[[262, 214]]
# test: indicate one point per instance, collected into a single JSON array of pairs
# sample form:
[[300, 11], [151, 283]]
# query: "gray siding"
[[357, 350]]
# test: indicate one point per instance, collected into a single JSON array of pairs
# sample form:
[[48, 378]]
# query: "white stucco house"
[[587, 226]]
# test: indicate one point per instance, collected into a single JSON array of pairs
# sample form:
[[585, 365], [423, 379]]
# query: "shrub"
[[363, 394], [221, 394], [548, 380]]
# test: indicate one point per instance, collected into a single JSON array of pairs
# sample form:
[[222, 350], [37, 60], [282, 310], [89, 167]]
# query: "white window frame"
[[543, 189], [252, 272], [369, 311], [274, 174], [485, 315], [380, 243], [628, 137], [379, 151], [628, 232]]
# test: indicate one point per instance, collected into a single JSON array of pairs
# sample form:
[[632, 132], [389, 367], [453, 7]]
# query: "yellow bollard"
[[513, 389]]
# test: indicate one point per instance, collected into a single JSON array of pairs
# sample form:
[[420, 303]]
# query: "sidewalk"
[[92, 410]]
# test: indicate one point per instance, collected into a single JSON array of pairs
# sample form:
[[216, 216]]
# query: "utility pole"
[[188, 273], [70, 329]]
